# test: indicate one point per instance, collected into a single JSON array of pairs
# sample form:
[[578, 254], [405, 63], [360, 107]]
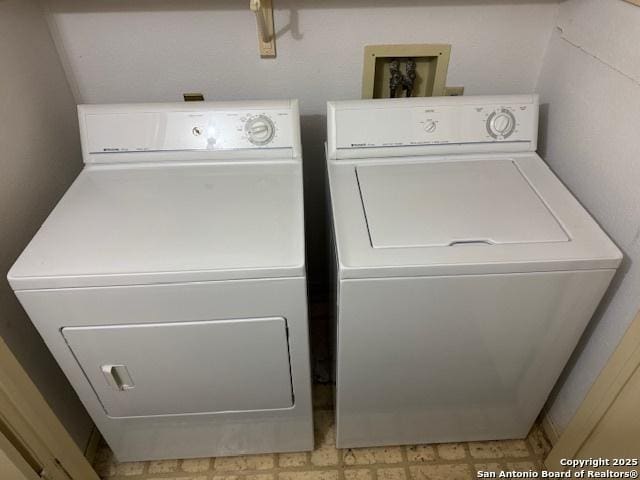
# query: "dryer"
[[466, 271], [169, 281]]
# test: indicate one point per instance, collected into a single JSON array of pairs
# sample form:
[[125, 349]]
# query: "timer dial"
[[260, 129], [501, 123]]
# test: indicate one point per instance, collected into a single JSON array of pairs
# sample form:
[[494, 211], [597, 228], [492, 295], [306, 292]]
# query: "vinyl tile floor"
[[451, 461]]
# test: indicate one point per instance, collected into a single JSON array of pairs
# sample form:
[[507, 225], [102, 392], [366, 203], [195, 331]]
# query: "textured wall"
[[39, 158], [590, 90]]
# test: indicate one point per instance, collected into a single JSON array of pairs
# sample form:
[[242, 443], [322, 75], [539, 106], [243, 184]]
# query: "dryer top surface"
[[169, 223]]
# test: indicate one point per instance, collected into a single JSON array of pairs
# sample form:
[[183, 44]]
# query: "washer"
[[169, 282], [466, 270]]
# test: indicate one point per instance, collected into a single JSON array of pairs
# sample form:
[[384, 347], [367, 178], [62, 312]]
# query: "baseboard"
[[92, 445], [550, 428]]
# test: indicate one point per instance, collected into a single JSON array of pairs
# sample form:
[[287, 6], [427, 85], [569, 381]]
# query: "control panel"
[[447, 122], [111, 130]]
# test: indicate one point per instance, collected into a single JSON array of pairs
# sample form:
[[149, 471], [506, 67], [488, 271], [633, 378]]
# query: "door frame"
[[17, 459], [33, 430], [623, 363]]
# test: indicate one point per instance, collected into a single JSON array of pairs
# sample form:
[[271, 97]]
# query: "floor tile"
[[128, 469], [489, 467], [196, 465], [260, 476], [199, 477], [297, 459], [164, 466], [421, 453], [485, 450], [105, 469], [396, 473], [370, 456], [451, 451], [324, 428], [522, 466], [309, 475], [441, 472], [538, 441], [244, 462], [358, 474], [324, 456], [514, 448]]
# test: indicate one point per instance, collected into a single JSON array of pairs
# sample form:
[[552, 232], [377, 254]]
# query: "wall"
[[39, 157], [153, 50], [590, 85]]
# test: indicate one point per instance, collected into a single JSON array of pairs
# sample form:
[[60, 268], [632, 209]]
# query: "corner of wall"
[[56, 38]]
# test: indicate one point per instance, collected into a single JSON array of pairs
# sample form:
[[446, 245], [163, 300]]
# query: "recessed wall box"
[[432, 63], [453, 91]]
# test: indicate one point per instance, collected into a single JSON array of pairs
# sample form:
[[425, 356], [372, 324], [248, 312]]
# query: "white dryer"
[[466, 270], [169, 282]]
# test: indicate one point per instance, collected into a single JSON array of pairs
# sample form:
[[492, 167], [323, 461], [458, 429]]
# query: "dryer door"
[[186, 367]]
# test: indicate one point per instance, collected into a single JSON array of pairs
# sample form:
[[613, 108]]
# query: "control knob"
[[430, 126], [501, 123], [260, 129]]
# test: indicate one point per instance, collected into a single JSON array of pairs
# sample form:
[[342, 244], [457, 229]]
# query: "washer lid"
[[398, 218], [449, 203], [126, 225]]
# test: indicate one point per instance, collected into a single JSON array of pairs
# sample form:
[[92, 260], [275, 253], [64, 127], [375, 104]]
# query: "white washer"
[[169, 282], [466, 270]]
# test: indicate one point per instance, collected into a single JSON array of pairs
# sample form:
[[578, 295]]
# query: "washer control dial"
[[260, 129], [501, 123]]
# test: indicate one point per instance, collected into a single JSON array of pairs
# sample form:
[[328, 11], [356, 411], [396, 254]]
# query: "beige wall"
[[590, 95], [39, 158]]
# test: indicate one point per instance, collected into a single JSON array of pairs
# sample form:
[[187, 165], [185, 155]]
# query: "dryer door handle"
[[118, 377]]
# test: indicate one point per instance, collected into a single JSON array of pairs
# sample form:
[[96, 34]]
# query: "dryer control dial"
[[260, 129], [430, 126], [501, 123]]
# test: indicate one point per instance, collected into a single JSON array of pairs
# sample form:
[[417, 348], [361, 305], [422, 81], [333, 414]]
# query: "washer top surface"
[[126, 225], [451, 186], [464, 214], [449, 203]]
